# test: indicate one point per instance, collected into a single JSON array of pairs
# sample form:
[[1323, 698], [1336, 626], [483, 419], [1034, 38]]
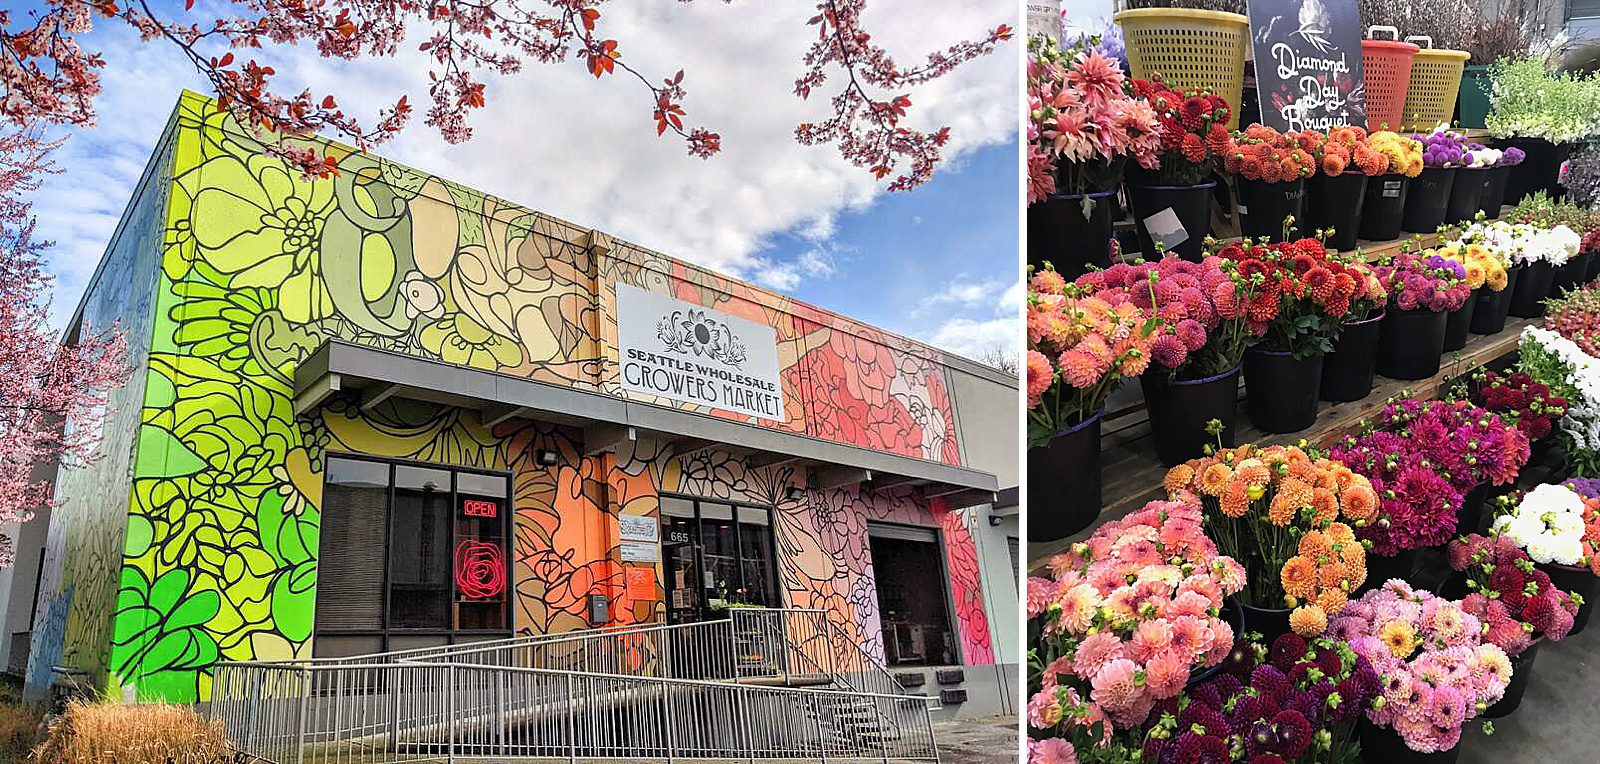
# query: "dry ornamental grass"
[[94, 733]]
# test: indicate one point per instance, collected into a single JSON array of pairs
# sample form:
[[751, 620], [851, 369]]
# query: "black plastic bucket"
[[1428, 199], [1271, 622], [1264, 206], [1568, 276], [1348, 371], [1059, 233], [1470, 515], [1382, 745], [1493, 307], [1281, 391], [1594, 268], [1521, 671], [1411, 343], [1383, 206], [1381, 569], [1072, 460], [1534, 285], [1579, 580], [1457, 323], [1179, 412], [1331, 202], [1180, 215], [1465, 193], [1494, 191], [1540, 170]]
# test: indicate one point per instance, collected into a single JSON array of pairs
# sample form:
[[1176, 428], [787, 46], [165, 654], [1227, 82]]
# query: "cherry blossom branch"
[[46, 78]]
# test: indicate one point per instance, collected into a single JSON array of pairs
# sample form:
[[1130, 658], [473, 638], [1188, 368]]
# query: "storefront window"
[[717, 555], [410, 555]]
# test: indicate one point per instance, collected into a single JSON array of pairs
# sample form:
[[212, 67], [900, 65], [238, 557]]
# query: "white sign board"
[[638, 528], [640, 551], [679, 350]]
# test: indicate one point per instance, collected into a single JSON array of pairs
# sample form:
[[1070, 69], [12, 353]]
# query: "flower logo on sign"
[[692, 331], [480, 570]]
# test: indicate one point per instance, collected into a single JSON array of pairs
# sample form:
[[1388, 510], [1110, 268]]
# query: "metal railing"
[[763, 684]]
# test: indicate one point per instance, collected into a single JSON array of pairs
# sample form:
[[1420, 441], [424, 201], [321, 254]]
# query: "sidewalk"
[[982, 740]]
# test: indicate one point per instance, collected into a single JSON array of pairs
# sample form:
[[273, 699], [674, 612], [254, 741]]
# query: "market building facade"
[[384, 411]]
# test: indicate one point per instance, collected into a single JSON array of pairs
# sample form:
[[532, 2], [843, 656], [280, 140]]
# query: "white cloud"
[[974, 337], [816, 262], [558, 141], [987, 316], [961, 292]]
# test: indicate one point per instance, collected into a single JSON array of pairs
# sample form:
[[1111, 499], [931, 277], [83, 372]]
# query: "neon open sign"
[[479, 508]]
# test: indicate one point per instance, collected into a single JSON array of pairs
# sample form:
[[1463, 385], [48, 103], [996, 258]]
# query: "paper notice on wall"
[[1166, 229], [640, 551], [641, 583]]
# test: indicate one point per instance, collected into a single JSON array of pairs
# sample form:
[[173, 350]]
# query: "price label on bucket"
[[1391, 188], [1166, 229]]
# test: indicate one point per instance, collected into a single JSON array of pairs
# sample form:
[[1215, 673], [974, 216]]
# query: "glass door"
[[680, 552], [716, 556]]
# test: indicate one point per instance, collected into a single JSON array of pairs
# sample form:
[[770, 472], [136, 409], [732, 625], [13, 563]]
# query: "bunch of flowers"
[[1526, 99], [1511, 157], [1574, 376], [1346, 146], [1082, 343], [1127, 615], [1552, 522], [1262, 153], [1303, 294], [1524, 243], [1287, 517], [1299, 701], [1370, 296], [1438, 673], [1589, 488], [1515, 601], [1465, 444], [1519, 398], [1416, 505], [1545, 211], [1582, 180], [1083, 122], [1576, 316], [1443, 148], [1590, 241], [1424, 281], [1201, 307], [1479, 156], [1483, 266], [1194, 130], [1404, 154]]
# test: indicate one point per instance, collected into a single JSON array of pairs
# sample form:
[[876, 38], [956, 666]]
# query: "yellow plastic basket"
[[1435, 83], [1189, 48]]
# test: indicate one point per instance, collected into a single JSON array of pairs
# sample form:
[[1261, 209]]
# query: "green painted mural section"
[[78, 582]]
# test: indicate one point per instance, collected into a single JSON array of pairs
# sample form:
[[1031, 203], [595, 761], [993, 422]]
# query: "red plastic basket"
[[1386, 65]]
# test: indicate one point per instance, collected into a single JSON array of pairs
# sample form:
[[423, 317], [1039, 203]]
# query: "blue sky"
[[938, 263]]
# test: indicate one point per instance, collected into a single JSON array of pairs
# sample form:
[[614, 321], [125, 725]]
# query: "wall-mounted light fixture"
[[548, 458]]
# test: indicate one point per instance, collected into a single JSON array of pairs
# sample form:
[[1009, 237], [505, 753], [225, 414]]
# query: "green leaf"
[[161, 455]]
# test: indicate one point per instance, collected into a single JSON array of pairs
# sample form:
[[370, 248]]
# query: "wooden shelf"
[[1132, 474]]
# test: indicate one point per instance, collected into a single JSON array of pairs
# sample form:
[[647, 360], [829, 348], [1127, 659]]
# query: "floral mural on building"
[[260, 266]]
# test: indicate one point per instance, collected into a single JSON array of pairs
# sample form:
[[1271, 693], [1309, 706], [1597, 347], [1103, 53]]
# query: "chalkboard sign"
[[1308, 63]]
